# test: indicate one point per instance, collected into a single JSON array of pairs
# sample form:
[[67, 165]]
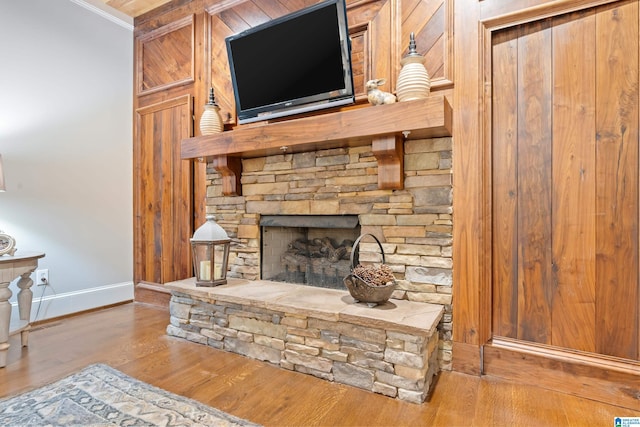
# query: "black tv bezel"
[[306, 103]]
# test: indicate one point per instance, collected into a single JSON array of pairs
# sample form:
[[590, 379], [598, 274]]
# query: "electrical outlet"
[[42, 277]]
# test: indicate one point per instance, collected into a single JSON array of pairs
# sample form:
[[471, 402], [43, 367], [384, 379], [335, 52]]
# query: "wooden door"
[[164, 193], [565, 257]]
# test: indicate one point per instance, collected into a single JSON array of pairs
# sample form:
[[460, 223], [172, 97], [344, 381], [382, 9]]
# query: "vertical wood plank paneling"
[[183, 206], [574, 181], [468, 192], [164, 210], [505, 191], [144, 232], [617, 180], [163, 178], [534, 183], [153, 207]]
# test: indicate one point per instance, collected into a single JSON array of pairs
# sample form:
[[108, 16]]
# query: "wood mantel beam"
[[424, 118]]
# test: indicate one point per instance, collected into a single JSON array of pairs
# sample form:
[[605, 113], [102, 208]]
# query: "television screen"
[[293, 64]]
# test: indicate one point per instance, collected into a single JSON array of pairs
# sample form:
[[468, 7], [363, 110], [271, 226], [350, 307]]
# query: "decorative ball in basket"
[[371, 283]]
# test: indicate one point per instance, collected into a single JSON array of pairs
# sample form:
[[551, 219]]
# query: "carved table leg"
[[5, 319], [25, 297]]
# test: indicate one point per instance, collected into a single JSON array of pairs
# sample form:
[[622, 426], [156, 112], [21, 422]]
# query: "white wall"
[[66, 91]]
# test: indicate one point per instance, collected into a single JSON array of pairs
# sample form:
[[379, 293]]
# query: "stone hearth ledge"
[[327, 304], [390, 349]]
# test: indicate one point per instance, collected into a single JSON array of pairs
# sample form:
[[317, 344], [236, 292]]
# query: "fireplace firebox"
[[311, 250]]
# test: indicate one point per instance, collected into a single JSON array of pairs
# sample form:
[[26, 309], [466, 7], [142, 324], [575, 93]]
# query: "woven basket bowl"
[[363, 292], [359, 289]]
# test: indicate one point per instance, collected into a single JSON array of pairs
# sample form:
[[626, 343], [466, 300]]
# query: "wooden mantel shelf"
[[383, 126]]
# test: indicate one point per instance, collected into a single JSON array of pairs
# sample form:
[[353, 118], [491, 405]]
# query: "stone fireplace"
[[296, 221], [311, 250]]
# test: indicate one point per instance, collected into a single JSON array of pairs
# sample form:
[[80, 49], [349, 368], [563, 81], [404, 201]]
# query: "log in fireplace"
[[310, 250]]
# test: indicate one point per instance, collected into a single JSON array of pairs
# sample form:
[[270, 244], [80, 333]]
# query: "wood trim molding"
[[395, 43], [163, 105], [467, 358], [467, 186], [221, 5], [447, 81], [449, 58], [537, 12], [567, 355], [600, 378], [152, 294]]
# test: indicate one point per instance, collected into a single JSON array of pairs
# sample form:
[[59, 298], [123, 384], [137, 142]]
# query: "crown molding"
[[106, 12]]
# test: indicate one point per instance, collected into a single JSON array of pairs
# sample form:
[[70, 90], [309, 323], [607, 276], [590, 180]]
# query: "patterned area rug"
[[102, 396]]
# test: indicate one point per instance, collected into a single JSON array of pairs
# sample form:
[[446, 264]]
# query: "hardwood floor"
[[131, 338]]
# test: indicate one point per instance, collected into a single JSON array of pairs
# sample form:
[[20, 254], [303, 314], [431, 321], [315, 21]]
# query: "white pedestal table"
[[11, 267]]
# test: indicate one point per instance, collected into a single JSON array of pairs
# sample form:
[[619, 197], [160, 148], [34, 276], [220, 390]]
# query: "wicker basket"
[[359, 289]]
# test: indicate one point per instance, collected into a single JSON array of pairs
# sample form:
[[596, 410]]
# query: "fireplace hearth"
[[311, 250]]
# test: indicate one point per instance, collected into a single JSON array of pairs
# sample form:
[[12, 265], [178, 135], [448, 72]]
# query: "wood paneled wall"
[[546, 173], [565, 181]]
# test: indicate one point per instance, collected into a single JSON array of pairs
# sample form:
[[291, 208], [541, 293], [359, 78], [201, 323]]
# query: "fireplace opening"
[[311, 250]]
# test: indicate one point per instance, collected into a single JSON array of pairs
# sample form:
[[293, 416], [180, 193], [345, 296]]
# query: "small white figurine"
[[377, 96]]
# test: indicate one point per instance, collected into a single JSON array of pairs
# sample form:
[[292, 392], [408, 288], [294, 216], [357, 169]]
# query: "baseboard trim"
[[54, 320], [467, 358], [153, 287], [153, 294], [68, 303], [603, 379]]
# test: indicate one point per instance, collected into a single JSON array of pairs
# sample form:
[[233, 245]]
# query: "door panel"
[[565, 181]]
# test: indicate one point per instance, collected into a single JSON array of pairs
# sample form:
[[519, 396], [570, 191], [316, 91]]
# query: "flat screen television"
[[293, 64]]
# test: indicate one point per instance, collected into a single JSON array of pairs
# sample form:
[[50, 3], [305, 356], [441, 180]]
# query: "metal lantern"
[[210, 245]]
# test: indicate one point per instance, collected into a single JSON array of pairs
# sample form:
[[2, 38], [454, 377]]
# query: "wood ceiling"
[[134, 8]]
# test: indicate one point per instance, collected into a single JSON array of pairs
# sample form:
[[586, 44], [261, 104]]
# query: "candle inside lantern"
[[217, 271], [205, 270]]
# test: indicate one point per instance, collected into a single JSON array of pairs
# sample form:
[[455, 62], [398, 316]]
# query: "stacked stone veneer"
[[414, 224], [395, 363]]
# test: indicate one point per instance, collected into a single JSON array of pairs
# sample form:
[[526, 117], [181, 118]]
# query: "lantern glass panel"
[[219, 261], [202, 256]]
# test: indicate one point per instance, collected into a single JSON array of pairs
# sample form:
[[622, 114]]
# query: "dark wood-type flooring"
[[132, 338]]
